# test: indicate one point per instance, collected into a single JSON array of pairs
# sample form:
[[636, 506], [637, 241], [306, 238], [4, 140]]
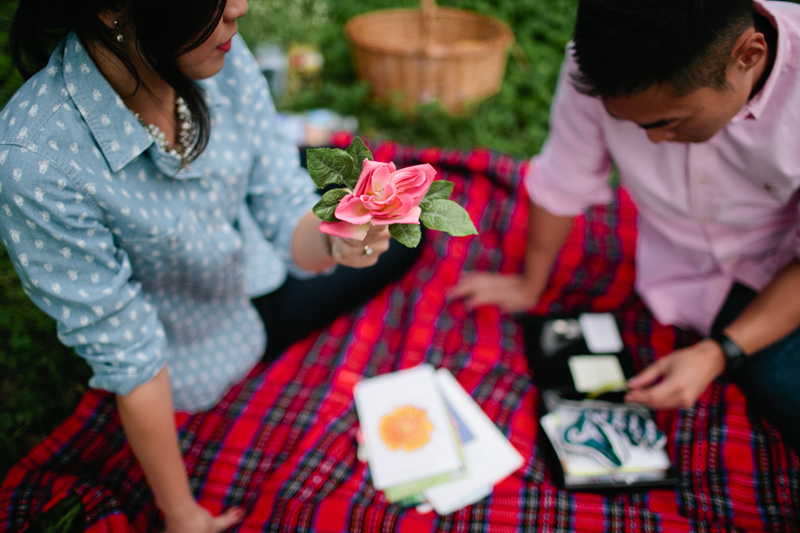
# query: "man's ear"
[[750, 48]]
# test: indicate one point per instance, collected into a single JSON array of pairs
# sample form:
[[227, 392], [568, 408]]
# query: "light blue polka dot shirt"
[[141, 263]]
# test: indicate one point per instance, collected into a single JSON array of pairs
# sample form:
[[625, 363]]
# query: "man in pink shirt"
[[697, 103]]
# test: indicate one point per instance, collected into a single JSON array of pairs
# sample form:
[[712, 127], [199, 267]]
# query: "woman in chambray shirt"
[[145, 198]]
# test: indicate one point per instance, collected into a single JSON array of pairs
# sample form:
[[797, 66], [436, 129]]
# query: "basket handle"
[[428, 15], [429, 9]]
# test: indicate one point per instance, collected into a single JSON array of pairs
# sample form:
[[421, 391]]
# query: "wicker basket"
[[411, 56]]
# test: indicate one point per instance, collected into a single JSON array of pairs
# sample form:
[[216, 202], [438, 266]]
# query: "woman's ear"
[[110, 18]]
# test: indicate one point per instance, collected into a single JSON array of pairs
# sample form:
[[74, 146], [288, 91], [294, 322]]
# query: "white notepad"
[[600, 332]]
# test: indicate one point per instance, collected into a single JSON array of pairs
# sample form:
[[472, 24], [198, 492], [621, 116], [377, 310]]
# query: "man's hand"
[[509, 293], [684, 374], [353, 253], [198, 520]]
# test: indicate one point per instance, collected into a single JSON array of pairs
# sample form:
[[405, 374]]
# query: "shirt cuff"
[[123, 371]]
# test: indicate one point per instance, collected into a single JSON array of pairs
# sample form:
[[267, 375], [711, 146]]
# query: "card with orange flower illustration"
[[406, 428]]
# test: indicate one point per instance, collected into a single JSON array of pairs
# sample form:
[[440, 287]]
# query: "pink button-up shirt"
[[710, 213]]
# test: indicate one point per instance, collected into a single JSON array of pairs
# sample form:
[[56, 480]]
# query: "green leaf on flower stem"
[[359, 152], [440, 190], [447, 216], [329, 166], [326, 207], [407, 234]]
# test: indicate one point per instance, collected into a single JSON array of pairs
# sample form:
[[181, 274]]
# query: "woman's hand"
[[685, 374], [510, 293], [198, 520], [360, 254], [148, 419]]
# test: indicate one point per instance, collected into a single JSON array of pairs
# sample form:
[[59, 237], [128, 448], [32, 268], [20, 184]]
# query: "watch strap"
[[734, 355]]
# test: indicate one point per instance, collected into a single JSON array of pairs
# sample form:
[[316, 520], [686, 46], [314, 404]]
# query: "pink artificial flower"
[[383, 196]]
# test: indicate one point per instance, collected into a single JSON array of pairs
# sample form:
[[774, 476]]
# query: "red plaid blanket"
[[281, 444]]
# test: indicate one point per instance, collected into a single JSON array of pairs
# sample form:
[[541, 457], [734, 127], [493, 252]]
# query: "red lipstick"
[[226, 46]]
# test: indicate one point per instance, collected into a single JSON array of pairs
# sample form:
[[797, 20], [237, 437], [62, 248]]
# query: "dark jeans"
[[299, 307], [770, 379]]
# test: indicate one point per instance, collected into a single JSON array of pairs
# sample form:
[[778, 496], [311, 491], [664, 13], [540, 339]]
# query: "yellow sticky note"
[[590, 372]]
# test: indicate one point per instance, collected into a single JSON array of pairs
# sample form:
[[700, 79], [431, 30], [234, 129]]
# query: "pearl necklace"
[[186, 131]]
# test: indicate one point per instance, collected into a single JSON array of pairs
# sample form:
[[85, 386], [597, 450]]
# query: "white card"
[[600, 332], [590, 372], [406, 427], [488, 454]]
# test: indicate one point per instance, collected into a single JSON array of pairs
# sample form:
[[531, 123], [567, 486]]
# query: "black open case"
[[549, 343]]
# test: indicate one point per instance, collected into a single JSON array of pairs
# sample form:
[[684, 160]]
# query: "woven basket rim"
[[503, 38]]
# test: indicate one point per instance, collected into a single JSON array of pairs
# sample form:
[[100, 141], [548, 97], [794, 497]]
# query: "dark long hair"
[[163, 31]]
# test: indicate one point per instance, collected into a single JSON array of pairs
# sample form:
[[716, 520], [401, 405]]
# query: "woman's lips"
[[224, 47]]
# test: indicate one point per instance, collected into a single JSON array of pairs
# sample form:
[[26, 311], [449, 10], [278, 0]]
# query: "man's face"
[[695, 117]]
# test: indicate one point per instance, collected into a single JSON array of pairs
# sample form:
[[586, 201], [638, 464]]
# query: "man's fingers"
[[227, 519], [479, 299], [465, 287], [648, 375], [661, 396], [482, 287]]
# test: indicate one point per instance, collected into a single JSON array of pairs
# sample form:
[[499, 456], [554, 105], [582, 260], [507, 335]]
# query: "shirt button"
[[768, 187]]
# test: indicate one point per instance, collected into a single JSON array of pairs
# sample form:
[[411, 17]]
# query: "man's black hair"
[[623, 47]]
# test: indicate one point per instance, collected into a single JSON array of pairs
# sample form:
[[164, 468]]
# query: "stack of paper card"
[[427, 442], [603, 444]]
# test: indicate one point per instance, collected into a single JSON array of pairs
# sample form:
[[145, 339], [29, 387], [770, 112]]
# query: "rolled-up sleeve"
[[71, 269], [280, 192], [571, 172]]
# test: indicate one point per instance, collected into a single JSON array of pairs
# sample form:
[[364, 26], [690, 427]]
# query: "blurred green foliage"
[[514, 121], [10, 79], [286, 22]]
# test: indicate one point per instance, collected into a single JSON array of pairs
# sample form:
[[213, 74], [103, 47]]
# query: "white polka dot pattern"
[[143, 263]]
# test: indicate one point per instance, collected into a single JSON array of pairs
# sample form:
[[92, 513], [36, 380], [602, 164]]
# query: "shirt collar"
[[213, 96], [754, 107], [115, 128]]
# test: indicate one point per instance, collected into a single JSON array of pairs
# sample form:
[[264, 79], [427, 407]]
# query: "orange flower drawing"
[[406, 428]]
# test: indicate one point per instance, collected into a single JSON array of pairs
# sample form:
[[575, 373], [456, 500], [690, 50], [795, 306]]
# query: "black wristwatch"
[[734, 355]]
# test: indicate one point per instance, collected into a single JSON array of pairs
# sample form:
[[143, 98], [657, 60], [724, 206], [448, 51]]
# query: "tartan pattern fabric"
[[281, 444]]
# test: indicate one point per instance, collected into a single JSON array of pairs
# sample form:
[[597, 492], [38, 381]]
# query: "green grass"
[[514, 121], [41, 381]]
